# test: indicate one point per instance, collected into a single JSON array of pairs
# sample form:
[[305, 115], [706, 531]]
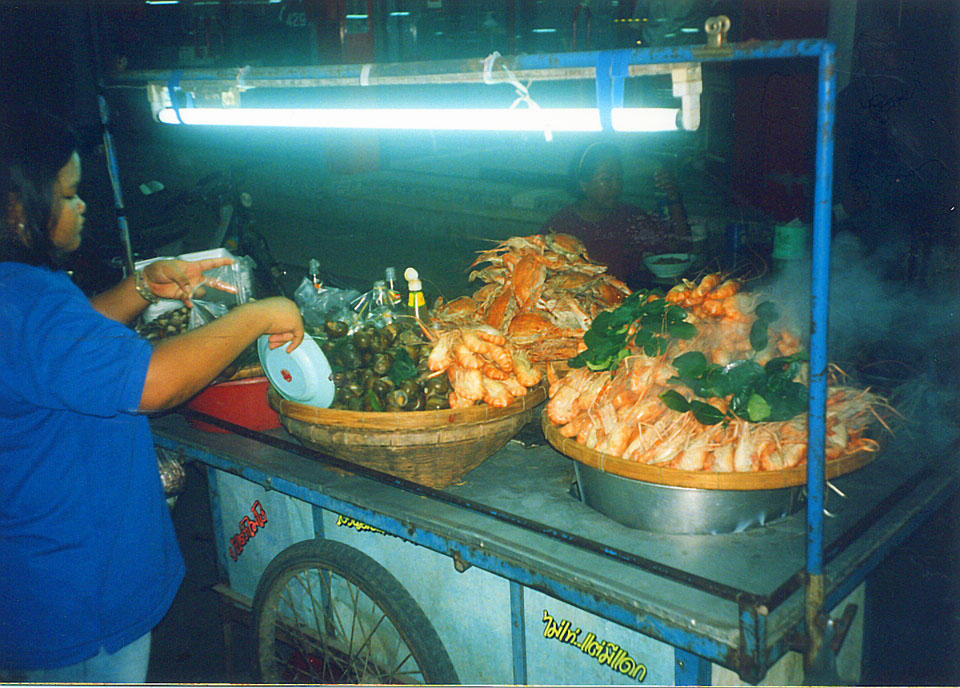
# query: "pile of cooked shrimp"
[[621, 414], [481, 366]]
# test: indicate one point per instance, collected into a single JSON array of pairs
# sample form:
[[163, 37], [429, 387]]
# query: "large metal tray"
[[683, 510], [667, 500]]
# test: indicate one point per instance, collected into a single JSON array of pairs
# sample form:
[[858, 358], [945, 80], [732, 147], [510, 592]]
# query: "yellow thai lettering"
[[552, 628], [569, 635], [590, 645], [348, 522], [607, 653]]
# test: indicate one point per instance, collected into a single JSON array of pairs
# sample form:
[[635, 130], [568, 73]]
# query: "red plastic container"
[[242, 402]]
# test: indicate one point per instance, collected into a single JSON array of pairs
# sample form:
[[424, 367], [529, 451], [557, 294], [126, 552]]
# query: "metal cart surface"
[[525, 584]]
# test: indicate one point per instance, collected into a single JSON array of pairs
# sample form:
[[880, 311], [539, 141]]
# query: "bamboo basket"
[[704, 480], [432, 448]]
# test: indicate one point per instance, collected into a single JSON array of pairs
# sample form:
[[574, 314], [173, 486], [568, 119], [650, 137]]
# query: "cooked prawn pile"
[[723, 316], [622, 414], [542, 291], [481, 366]]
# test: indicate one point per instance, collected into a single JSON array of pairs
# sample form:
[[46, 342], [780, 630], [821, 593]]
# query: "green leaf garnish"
[[758, 334], [682, 330], [672, 399], [374, 402], [755, 393], [708, 414], [757, 408], [692, 363], [767, 311], [403, 368]]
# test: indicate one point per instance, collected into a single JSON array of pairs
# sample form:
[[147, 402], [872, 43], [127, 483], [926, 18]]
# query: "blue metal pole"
[[114, 171], [300, 76], [731, 53], [819, 309], [518, 633]]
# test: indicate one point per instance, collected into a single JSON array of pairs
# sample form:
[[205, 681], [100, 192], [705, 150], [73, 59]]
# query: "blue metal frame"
[[518, 634], [611, 67], [691, 670], [300, 75], [615, 62], [671, 634]]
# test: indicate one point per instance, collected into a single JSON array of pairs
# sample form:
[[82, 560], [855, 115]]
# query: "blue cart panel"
[[525, 584]]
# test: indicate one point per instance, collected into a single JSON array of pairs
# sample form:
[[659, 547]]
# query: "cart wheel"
[[325, 612]]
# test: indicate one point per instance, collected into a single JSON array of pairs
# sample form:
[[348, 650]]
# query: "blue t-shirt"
[[88, 555]]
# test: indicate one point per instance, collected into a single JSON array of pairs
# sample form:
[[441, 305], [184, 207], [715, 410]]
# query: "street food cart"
[[508, 576]]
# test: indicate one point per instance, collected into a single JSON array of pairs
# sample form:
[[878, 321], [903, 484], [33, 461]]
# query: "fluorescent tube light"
[[483, 119]]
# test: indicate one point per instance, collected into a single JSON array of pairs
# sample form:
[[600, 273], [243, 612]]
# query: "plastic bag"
[[378, 307], [222, 288], [204, 312], [318, 304], [172, 475], [228, 285]]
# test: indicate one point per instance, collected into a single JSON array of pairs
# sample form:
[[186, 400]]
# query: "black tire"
[[389, 639]]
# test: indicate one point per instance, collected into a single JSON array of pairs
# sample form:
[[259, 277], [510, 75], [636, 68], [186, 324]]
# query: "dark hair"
[[587, 162], [34, 147]]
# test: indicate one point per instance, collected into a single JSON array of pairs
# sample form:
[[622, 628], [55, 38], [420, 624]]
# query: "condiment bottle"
[[314, 270], [394, 295], [415, 300]]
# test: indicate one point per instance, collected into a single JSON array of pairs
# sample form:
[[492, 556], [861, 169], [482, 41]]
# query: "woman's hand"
[[283, 321], [181, 366], [177, 279]]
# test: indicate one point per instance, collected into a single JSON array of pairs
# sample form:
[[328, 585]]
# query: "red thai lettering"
[[248, 528]]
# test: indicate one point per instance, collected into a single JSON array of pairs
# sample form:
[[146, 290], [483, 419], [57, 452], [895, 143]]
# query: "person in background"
[[615, 233], [88, 553]]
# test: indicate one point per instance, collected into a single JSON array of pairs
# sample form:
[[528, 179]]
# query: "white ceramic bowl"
[[668, 265]]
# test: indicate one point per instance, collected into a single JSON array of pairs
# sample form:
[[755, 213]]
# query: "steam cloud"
[[909, 335]]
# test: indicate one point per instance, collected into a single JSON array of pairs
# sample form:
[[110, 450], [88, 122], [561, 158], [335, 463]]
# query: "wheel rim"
[[323, 628]]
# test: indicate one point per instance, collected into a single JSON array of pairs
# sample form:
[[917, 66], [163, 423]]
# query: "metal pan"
[[682, 510]]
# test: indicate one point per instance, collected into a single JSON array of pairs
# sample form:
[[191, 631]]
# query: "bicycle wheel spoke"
[[369, 635], [318, 625], [313, 603], [353, 590], [309, 645], [396, 670]]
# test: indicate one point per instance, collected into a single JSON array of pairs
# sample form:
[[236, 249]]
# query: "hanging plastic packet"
[[378, 306], [203, 311], [319, 304], [221, 289]]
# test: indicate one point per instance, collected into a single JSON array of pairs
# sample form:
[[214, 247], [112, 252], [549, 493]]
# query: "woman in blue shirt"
[[88, 556]]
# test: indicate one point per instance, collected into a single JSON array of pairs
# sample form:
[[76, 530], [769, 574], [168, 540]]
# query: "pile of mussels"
[[382, 368]]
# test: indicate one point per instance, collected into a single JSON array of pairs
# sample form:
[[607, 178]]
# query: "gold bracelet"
[[140, 282]]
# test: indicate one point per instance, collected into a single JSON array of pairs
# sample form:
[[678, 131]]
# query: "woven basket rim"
[[394, 420]]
